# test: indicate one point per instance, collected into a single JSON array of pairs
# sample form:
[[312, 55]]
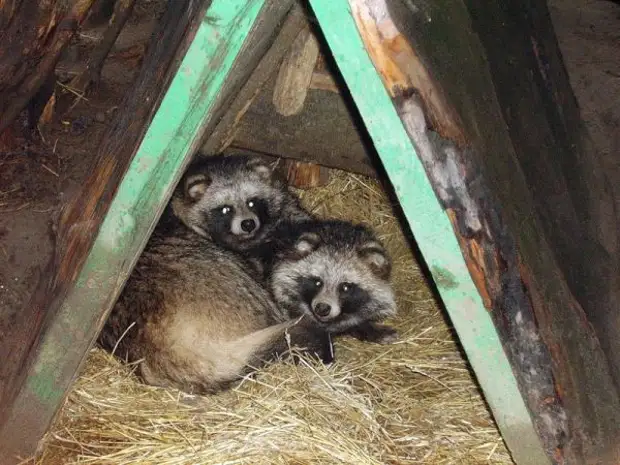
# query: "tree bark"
[[33, 35], [92, 72]]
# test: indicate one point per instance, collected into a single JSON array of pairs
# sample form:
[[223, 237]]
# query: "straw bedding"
[[411, 402]]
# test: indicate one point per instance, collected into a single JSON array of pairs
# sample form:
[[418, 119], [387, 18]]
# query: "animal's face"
[[236, 208], [339, 285]]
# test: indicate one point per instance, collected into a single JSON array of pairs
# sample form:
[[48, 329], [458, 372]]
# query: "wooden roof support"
[[105, 227], [402, 147], [440, 126]]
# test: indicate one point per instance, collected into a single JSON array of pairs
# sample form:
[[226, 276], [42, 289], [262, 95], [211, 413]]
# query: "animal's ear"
[[306, 244], [261, 168], [196, 185], [376, 257]]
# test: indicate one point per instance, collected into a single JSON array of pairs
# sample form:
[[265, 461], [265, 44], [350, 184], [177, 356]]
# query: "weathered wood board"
[[276, 20], [327, 131], [220, 137], [551, 201], [33, 35], [479, 135], [402, 142], [105, 226], [464, 152], [295, 73]]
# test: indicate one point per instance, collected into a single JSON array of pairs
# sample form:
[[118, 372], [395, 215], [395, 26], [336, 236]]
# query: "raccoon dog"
[[195, 319], [337, 273], [237, 201]]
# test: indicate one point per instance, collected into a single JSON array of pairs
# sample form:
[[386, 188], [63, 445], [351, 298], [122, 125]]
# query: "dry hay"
[[411, 402]]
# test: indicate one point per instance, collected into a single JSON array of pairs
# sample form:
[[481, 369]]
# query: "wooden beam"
[[263, 49], [34, 35], [105, 227], [305, 175], [533, 154], [295, 74], [571, 192], [306, 137], [222, 135], [405, 149], [496, 246], [327, 132]]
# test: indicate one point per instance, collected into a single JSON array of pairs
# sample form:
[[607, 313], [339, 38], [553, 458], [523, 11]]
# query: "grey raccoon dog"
[[335, 272], [237, 201], [194, 318], [194, 310]]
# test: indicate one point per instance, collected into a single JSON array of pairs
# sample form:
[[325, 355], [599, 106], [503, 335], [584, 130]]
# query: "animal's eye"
[[252, 203], [226, 210], [346, 288], [318, 283]]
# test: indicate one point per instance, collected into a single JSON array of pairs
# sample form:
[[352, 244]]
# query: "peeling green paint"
[[444, 278], [432, 230], [144, 191]]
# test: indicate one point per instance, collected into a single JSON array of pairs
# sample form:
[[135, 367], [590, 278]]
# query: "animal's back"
[[193, 307]]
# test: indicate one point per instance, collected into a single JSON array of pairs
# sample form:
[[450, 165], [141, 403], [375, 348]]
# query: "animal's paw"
[[328, 352], [386, 335], [373, 332]]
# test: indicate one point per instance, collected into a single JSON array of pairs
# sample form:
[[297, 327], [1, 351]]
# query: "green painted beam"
[[170, 141], [432, 230]]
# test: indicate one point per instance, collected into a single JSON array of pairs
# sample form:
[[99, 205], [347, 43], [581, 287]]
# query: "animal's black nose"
[[248, 225], [322, 310]]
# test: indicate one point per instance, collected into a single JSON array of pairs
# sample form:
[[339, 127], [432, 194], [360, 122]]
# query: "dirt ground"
[[37, 177]]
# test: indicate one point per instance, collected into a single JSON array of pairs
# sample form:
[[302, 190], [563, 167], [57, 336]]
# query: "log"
[[327, 132], [242, 127], [305, 175], [33, 35], [137, 166], [546, 186], [295, 74], [222, 135]]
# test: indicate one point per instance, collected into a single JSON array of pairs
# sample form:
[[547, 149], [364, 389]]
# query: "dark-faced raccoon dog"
[[194, 318], [336, 273], [237, 201]]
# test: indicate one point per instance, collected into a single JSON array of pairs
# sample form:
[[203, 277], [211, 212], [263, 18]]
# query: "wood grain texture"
[[322, 80], [295, 74], [531, 153], [105, 226], [33, 35], [92, 71], [395, 115], [263, 52], [480, 175], [328, 131], [305, 175]]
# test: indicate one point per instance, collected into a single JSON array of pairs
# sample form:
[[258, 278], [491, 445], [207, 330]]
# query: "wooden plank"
[[242, 127], [571, 193], [94, 255], [305, 175], [33, 35], [295, 74], [480, 175], [520, 115], [429, 221], [275, 24], [221, 136], [327, 131]]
